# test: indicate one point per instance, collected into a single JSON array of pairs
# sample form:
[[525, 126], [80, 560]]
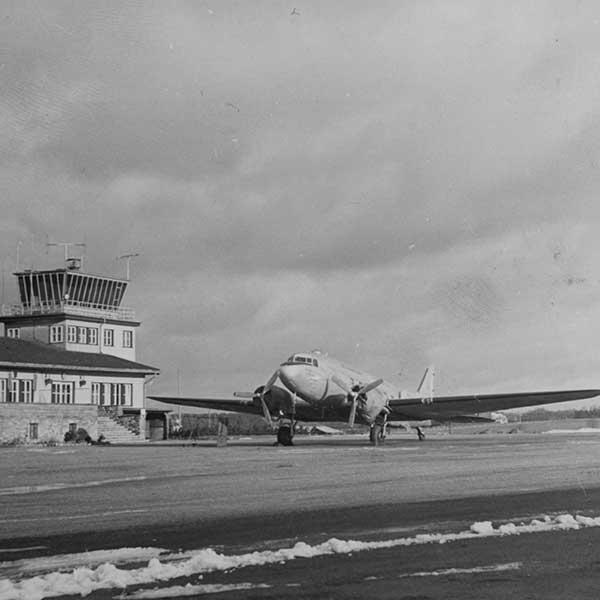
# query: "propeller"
[[261, 396], [355, 393]]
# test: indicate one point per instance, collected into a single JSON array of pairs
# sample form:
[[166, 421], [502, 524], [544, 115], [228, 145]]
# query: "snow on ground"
[[85, 577], [457, 571], [180, 591], [71, 561], [36, 489], [580, 430]]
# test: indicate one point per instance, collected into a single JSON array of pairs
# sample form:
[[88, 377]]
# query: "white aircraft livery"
[[312, 386]]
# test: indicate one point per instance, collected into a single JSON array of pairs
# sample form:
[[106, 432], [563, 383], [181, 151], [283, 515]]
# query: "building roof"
[[16, 353]]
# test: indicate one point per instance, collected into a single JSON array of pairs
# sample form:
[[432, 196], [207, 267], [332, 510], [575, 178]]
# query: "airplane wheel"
[[376, 434], [284, 436]]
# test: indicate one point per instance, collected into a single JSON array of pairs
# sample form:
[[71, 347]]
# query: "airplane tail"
[[426, 387]]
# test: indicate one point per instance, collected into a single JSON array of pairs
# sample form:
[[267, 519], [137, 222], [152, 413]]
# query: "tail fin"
[[426, 387]]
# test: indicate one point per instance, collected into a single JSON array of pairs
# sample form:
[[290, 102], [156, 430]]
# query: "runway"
[[411, 520]]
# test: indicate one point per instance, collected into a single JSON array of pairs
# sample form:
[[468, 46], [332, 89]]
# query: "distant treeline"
[[197, 426], [542, 414], [206, 425]]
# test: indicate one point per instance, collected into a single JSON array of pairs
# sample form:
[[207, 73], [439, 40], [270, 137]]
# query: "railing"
[[69, 307]]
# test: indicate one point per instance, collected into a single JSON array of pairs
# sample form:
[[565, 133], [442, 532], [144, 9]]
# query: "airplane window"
[[315, 362]]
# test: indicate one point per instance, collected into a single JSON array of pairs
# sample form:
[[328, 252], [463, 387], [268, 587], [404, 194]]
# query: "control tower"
[[72, 310]]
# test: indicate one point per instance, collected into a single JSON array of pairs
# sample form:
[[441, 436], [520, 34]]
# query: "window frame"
[[57, 334], [72, 334], [108, 337], [62, 392], [127, 338]]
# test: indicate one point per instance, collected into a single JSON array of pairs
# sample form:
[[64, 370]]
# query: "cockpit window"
[[307, 360]]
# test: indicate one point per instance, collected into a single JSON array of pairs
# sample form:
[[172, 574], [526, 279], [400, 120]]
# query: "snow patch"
[[457, 571], [84, 580], [71, 561], [580, 430], [49, 487], [180, 591]]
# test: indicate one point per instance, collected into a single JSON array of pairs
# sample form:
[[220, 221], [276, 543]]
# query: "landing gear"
[[378, 431], [376, 434], [285, 435], [420, 434]]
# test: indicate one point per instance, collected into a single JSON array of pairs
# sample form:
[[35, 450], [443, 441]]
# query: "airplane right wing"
[[452, 408], [240, 405]]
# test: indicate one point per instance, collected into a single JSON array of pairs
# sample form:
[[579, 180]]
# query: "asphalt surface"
[[252, 496]]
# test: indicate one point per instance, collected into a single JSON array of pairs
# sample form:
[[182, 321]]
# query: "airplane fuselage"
[[317, 387]]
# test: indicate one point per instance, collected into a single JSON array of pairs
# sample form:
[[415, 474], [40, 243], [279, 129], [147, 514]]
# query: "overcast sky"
[[396, 183]]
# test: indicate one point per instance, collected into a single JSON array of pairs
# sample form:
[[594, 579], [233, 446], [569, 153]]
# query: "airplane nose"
[[304, 381]]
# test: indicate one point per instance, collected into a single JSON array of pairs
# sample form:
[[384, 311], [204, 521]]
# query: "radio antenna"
[[127, 258]]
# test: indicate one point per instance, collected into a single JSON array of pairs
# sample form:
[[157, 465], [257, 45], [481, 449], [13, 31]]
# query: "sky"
[[396, 183]]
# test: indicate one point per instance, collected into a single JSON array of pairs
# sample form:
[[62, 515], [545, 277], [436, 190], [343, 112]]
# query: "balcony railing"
[[69, 307]]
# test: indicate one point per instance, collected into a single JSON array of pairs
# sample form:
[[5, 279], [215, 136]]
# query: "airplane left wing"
[[451, 408], [240, 405]]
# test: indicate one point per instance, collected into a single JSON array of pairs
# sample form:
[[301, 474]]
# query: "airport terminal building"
[[68, 361]]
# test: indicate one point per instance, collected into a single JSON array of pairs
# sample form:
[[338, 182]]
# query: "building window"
[[20, 390], [72, 334], [57, 334], [93, 336], [82, 335], [33, 431], [120, 393], [3, 390], [109, 337], [127, 338], [25, 389], [13, 332], [62, 393], [98, 393]]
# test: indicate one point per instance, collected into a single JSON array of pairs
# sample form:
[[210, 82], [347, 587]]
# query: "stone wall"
[[53, 421]]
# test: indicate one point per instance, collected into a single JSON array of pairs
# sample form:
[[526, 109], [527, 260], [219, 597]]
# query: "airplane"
[[312, 386]]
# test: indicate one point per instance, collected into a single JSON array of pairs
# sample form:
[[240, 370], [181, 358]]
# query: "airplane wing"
[[451, 408], [241, 405]]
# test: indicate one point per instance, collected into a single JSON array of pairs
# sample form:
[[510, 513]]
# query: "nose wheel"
[[285, 435]]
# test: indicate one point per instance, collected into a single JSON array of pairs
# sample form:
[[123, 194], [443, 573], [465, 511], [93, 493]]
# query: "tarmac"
[[251, 497]]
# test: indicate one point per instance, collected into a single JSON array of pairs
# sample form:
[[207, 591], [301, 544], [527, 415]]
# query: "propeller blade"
[[341, 384], [266, 412], [352, 416], [370, 386], [263, 404], [271, 381]]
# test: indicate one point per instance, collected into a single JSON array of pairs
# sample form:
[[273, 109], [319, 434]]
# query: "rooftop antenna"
[[72, 262], [127, 258]]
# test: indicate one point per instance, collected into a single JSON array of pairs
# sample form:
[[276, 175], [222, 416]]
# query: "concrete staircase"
[[116, 433]]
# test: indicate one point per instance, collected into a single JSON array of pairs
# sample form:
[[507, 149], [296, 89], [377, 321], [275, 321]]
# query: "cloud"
[[390, 182]]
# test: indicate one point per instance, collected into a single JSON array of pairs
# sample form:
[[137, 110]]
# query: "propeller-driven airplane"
[[312, 386]]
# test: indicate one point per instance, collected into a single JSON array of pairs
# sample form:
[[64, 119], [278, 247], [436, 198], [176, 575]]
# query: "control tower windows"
[[13, 332], [72, 334], [109, 337], [57, 334], [93, 336], [82, 335], [127, 339]]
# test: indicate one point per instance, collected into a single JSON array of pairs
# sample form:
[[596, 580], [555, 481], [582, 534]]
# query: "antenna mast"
[[66, 246], [127, 258]]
